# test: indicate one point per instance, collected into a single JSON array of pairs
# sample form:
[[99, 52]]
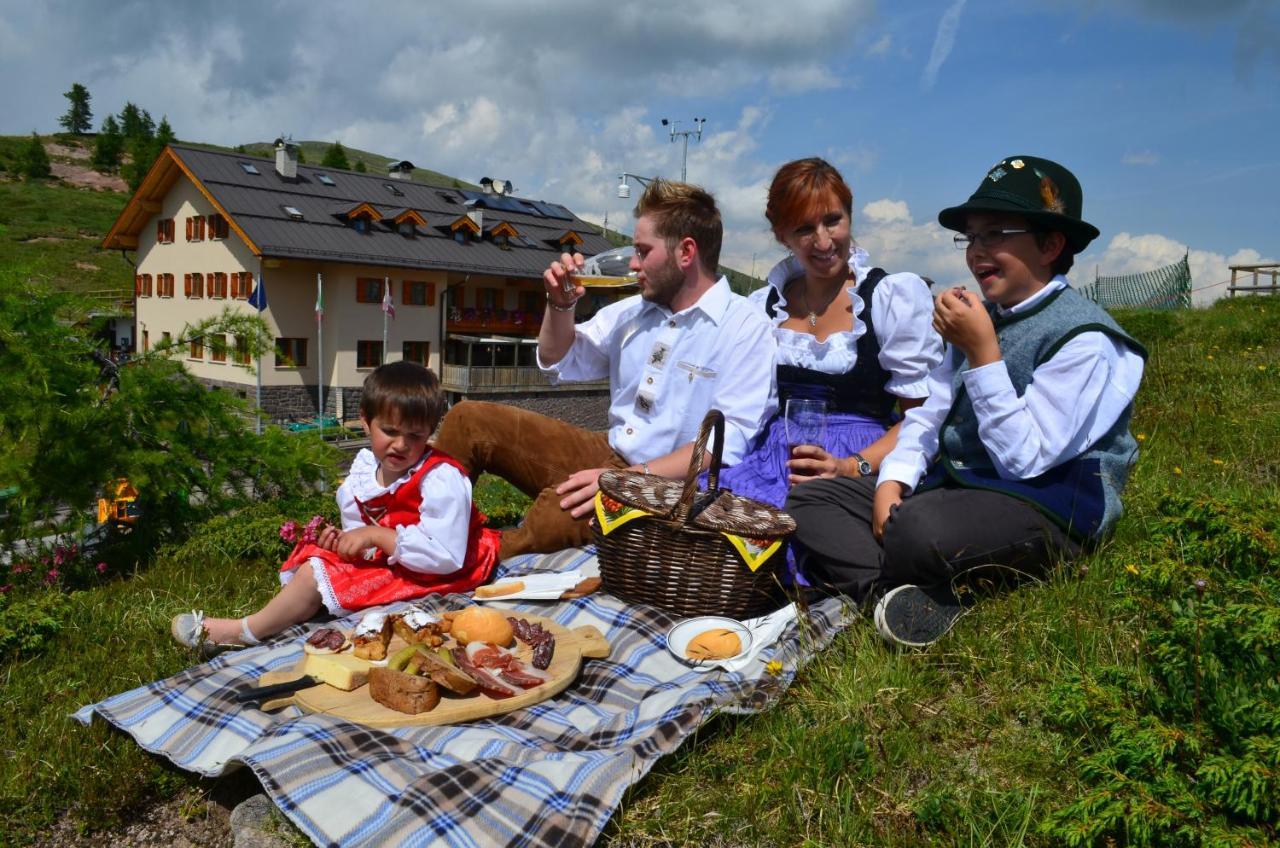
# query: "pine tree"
[[79, 118], [108, 146], [164, 133], [360, 167], [142, 155], [135, 122], [335, 157], [33, 163]]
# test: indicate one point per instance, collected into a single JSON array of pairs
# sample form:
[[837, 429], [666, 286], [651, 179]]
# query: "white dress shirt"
[[667, 369], [437, 544], [1073, 399], [901, 310]]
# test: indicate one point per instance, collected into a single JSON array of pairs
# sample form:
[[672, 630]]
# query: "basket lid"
[[728, 513]]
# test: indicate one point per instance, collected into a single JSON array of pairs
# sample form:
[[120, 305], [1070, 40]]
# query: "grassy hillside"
[[1130, 700]]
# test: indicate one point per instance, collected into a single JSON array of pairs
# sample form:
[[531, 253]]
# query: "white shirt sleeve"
[[437, 544], [1071, 402], [918, 437], [747, 391], [588, 357], [902, 313]]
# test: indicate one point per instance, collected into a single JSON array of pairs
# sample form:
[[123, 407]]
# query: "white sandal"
[[188, 631]]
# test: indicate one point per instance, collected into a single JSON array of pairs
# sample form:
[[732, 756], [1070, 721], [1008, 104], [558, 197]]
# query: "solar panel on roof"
[[552, 210]]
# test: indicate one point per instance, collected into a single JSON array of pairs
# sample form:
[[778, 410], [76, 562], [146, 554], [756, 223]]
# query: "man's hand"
[[580, 491], [810, 462], [960, 318], [888, 498], [558, 280], [354, 543]]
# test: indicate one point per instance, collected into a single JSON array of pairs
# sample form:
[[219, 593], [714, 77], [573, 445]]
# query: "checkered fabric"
[[1164, 288], [550, 774]]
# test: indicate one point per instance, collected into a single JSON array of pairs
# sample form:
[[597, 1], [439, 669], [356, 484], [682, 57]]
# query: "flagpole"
[[320, 348], [258, 424], [386, 295]]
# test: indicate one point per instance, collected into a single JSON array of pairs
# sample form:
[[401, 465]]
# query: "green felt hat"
[[1043, 192]]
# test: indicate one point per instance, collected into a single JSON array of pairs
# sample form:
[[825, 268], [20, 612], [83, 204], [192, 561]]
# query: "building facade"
[[357, 268]]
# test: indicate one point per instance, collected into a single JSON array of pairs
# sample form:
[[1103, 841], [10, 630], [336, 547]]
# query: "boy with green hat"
[[1019, 455]]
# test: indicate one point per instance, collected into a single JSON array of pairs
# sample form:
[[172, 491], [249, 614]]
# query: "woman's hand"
[[810, 462], [888, 498]]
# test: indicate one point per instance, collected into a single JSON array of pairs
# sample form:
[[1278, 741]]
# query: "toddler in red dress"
[[408, 525]]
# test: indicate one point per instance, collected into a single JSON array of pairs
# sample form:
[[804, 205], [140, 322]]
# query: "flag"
[[319, 299], [386, 299], [258, 300]]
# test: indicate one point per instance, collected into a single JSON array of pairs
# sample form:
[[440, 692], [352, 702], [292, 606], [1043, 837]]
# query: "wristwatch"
[[860, 462]]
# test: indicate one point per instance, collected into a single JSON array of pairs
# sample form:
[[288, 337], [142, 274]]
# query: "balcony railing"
[[502, 378]]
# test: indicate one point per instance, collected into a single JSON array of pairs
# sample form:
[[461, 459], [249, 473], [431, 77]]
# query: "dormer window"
[[406, 222], [464, 229], [502, 233], [360, 224], [406, 228], [568, 241], [361, 217]]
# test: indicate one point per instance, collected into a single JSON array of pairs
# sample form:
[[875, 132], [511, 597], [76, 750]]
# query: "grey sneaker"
[[917, 616], [188, 631]]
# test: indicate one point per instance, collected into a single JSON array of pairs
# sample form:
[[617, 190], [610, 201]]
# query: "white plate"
[[679, 636]]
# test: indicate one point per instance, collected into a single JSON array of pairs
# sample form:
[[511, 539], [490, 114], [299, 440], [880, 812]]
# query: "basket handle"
[[713, 421]]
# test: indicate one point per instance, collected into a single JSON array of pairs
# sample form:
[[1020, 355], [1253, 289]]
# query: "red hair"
[[799, 189]]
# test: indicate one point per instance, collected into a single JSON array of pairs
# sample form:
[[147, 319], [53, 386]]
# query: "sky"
[[1166, 110]]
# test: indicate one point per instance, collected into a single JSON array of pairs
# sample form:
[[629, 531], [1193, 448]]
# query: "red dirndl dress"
[[369, 583]]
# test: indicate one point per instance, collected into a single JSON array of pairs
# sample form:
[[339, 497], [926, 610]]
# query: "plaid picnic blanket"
[[550, 774]]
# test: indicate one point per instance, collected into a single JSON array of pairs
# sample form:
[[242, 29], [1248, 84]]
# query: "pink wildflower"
[[22, 568], [4, 590], [312, 531], [102, 568], [289, 531], [52, 577]]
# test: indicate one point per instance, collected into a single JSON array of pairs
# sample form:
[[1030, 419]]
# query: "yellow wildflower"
[[1209, 357], [773, 667], [1218, 462], [1177, 469], [1142, 437], [1131, 568]]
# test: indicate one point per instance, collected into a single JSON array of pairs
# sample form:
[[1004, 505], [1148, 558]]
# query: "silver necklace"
[[804, 296]]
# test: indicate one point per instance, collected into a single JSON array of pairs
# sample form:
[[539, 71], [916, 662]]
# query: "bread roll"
[[719, 643], [497, 590], [481, 624]]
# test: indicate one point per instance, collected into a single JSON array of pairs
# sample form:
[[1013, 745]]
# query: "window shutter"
[[188, 228], [160, 229], [431, 294]]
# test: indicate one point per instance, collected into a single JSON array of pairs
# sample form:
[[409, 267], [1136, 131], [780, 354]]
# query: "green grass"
[[55, 230]]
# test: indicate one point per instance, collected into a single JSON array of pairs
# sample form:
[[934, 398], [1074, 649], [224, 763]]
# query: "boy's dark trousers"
[[932, 537]]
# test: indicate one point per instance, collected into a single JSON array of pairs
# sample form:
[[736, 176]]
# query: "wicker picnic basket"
[[678, 558]]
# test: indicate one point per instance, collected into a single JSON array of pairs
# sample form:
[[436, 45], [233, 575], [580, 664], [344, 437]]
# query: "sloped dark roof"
[[255, 203]]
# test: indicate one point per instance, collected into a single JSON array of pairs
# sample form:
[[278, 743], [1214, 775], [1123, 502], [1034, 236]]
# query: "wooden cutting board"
[[572, 647]]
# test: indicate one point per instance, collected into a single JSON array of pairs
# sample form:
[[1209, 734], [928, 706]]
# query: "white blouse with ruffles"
[[901, 310], [437, 544]]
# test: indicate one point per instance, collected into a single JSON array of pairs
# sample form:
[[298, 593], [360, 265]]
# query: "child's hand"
[[328, 537], [888, 498], [960, 318], [353, 543]]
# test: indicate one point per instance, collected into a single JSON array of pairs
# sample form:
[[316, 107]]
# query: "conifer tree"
[[360, 166], [108, 146], [33, 163], [164, 133], [78, 118], [336, 157]]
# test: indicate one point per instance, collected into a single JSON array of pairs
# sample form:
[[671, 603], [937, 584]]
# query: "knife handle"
[[260, 693]]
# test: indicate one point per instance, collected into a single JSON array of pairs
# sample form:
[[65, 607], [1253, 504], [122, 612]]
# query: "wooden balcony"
[[482, 379]]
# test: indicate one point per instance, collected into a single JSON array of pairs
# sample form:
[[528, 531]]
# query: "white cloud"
[[943, 42], [881, 46], [1141, 157]]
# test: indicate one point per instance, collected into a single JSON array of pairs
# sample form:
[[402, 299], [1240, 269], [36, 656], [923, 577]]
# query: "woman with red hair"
[[848, 333]]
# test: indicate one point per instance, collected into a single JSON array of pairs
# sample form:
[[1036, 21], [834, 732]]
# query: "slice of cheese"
[[341, 671]]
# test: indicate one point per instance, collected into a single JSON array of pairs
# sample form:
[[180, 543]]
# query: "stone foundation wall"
[[587, 409]]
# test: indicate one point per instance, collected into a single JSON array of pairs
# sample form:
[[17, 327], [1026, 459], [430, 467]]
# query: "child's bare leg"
[[297, 601]]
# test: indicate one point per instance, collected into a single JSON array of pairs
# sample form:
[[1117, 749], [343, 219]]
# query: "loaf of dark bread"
[[404, 693]]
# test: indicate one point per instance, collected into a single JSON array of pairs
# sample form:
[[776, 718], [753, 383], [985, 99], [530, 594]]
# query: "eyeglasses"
[[986, 238]]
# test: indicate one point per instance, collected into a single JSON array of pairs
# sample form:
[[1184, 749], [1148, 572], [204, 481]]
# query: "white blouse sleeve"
[[902, 312], [348, 508], [918, 438], [437, 544]]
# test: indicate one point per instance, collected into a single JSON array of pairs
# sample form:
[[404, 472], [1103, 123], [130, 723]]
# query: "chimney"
[[476, 214], [402, 170], [286, 159]]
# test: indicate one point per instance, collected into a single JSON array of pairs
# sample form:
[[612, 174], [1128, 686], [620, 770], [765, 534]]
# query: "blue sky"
[[1165, 110]]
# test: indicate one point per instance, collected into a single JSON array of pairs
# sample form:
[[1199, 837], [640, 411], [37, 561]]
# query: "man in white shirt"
[[686, 344], [1020, 454]]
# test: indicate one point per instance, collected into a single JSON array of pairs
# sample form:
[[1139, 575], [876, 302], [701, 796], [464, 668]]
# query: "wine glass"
[[806, 423]]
